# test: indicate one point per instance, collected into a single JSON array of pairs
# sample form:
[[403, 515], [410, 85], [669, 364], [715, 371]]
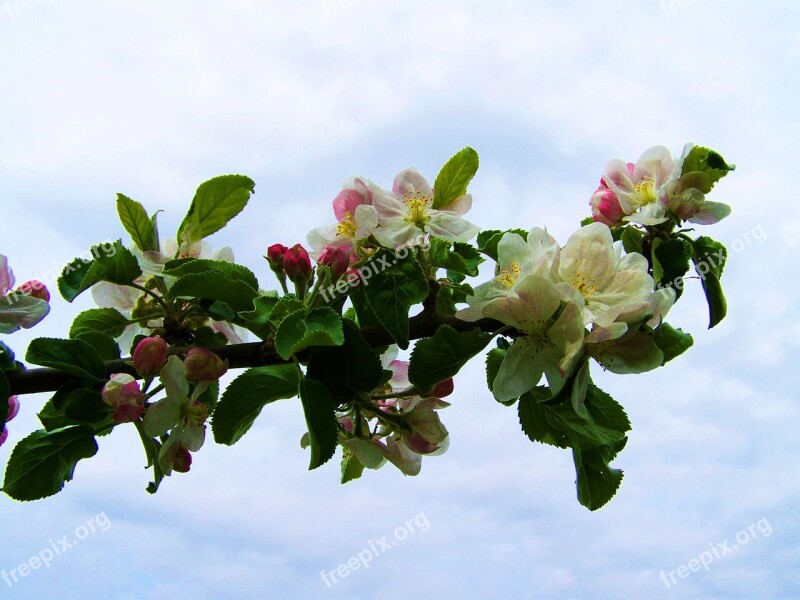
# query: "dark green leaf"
[[456, 258], [213, 285], [453, 179], [42, 462], [597, 481], [632, 239], [114, 264], [75, 357], [441, 356], [100, 320], [533, 418], [186, 266], [671, 262], [247, 395], [323, 430], [320, 327], [710, 258]]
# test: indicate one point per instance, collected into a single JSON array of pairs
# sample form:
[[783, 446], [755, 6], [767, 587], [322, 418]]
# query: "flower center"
[[196, 413], [508, 277], [645, 190], [347, 228], [584, 284], [417, 204]]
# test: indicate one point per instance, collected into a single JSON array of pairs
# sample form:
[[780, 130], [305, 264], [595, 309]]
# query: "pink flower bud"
[[204, 365], [183, 461], [3, 436], [443, 388], [150, 355], [13, 408], [36, 289], [275, 257], [605, 206], [122, 393], [337, 259], [297, 265]]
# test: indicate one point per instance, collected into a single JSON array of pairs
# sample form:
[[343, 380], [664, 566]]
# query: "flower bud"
[[13, 408], [297, 265], [183, 461], [275, 257], [150, 355], [36, 289], [204, 365], [605, 206], [443, 388], [337, 259], [3, 436], [122, 393]]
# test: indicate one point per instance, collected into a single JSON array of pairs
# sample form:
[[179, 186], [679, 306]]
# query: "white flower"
[[405, 214], [638, 186]]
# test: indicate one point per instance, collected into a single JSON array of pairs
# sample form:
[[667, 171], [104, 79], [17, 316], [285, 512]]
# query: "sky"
[[151, 98]]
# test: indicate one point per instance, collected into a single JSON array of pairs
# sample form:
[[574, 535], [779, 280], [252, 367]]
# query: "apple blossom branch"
[[243, 356]]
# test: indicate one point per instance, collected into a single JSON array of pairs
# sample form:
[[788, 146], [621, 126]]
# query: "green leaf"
[[86, 406], [347, 369], [114, 264], [247, 395], [533, 419], [213, 285], [671, 262], [672, 342], [597, 481], [632, 239], [99, 320], [390, 294], [216, 202], [7, 358], [136, 222], [75, 357], [488, 239], [582, 433], [320, 327], [323, 430], [258, 319], [106, 347], [44, 461], [285, 306], [706, 161], [352, 468], [710, 258], [442, 355], [494, 360], [606, 411], [187, 266], [453, 179], [457, 258]]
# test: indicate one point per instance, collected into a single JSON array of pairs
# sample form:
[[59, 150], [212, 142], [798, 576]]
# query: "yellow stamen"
[[508, 277], [347, 228], [417, 204], [584, 284]]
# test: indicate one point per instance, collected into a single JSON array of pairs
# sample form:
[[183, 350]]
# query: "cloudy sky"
[[151, 98]]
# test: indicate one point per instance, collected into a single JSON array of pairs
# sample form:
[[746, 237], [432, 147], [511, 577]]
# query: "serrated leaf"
[[390, 294], [671, 261], [75, 357], [323, 431], [320, 327], [606, 411], [186, 266], [455, 257], [442, 355], [44, 461], [709, 162], [533, 419], [452, 181], [114, 265], [108, 321], [139, 226], [597, 482], [216, 202], [632, 239], [213, 285], [247, 395]]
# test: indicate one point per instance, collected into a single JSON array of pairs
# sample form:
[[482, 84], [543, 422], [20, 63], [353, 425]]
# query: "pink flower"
[[13, 408], [6, 276], [183, 460], [3, 436], [36, 289], [605, 205], [150, 355], [204, 365], [123, 394], [356, 220]]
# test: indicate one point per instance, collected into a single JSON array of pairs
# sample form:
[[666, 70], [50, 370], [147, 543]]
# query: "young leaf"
[[457, 258], [442, 355], [352, 468], [44, 461], [179, 268], [99, 320], [114, 265], [488, 240], [320, 327], [453, 179], [71, 356], [709, 260], [215, 203], [323, 430], [247, 395], [214, 285], [136, 222], [672, 342], [710, 163]]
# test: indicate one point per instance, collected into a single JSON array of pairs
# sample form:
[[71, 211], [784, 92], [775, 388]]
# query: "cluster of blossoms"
[[178, 419], [406, 424], [23, 307], [655, 189]]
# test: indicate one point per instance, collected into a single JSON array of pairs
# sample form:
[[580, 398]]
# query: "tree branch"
[[243, 356]]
